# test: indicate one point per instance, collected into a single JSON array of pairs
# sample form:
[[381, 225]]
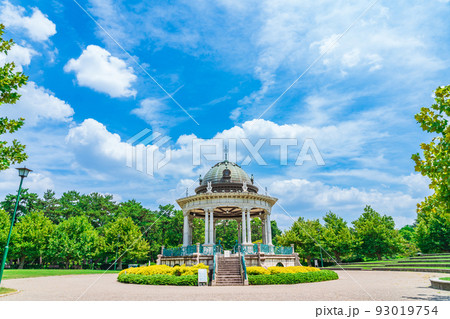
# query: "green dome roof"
[[215, 174]]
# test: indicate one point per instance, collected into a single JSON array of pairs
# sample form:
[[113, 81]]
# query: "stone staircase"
[[228, 272]]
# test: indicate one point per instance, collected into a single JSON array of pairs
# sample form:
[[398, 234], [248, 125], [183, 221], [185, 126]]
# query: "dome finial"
[[225, 153]]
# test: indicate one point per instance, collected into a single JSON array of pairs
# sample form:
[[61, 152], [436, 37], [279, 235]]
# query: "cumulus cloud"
[[37, 25], [93, 143], [97, 69], [20, 55], [37, 104]]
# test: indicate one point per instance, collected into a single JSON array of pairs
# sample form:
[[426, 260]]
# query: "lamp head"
[[23, 172]]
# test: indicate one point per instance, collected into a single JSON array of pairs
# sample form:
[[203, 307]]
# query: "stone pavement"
[[352, 285]]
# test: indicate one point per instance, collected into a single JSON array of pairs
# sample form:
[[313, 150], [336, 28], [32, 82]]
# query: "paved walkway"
[[352, 285]]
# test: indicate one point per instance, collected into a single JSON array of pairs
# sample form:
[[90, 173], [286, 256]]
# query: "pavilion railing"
[[218, 249], [180, 251], [280, 250]]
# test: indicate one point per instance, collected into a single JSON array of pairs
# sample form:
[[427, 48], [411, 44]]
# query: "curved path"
[[352, 285]]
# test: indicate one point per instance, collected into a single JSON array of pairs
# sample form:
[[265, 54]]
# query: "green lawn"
[[28, 273], [6, 290], [445, 278]]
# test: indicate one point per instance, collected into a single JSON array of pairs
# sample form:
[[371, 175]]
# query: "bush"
[[182, 270], [187, 280], [291, 270], [257, 271], [292, 278]]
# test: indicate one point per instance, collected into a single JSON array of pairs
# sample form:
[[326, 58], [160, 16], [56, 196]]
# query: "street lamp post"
[[23, 172]]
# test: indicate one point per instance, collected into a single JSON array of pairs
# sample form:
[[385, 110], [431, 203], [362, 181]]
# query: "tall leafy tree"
[[31, 236], [337, 237], [10, 82], [5, 223], [306, 237], [74, 241], [51, 207], [433, 214], [28, 202], [376, 235], [123, 237]]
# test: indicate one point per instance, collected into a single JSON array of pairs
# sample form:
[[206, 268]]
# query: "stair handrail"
[[214, 268], [243, 268]]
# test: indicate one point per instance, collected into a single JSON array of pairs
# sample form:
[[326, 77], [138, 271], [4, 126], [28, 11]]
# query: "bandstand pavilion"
[[227, 192]]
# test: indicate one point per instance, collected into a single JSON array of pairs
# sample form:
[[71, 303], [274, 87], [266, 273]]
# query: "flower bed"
[[161, 275], [288, 275]]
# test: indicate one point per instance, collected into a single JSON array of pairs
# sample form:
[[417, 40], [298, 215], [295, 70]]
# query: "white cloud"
[[21, 56], [38, 26], [97, 69], [37, 104], [92, 141]]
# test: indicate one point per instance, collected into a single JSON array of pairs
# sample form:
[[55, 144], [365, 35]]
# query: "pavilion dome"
[[216, 174], [226, 176]]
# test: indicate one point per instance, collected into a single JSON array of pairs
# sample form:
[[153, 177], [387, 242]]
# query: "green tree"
[[306, 237], [30, 238], [10, 81], [123, 237], [275, 232], [227, 233], [28, 202], [337, 237], [376, 236], [50, 206], [433, 214], [5, 223], [433, 227], [74, 241]]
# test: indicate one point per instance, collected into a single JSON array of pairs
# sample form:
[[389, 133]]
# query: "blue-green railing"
[[214, 268], [218, 249], [244, 268], [180, 251], [280, 250]]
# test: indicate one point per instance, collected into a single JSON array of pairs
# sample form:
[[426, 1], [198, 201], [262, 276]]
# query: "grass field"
[[6, 290], [445, 278], [28, 273]]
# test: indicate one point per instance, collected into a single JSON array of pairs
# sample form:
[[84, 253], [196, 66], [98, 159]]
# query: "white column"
[[239, 233], [268, 230], [185, 230], [206, 226], [244, 229], [249, 230], [263, 230], [214, 236], [211, 227], [191, 226]]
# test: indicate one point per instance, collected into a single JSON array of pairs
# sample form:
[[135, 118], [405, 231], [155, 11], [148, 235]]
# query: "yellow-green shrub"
[[255, 270], [291, 269], [182, 270]]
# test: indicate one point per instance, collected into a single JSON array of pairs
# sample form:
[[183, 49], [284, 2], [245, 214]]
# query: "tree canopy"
[[433, 214], [10, 82]]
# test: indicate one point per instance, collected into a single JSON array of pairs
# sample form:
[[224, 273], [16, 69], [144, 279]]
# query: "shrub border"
[[164, 280], [292, 278]]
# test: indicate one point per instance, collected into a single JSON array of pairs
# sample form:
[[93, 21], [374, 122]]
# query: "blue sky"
[[93, 86]]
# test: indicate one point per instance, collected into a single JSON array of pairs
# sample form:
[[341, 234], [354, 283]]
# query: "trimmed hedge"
[[182, 270], [292, 278], [187, 280]]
